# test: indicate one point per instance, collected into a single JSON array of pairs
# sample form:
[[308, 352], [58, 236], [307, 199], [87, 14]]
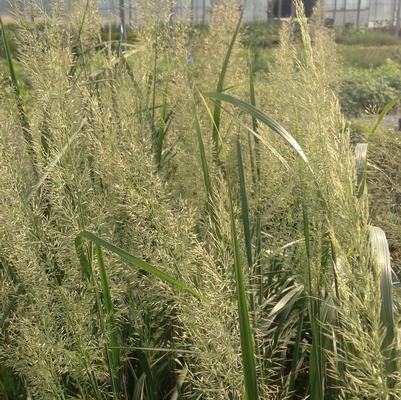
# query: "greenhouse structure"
[[368, 13], [362, 13]]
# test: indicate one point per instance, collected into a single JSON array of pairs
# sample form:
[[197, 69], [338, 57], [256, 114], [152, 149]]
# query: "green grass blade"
[[298, 357], [7, 311], [10, 62], [286, 303], [245, 223], [45, 135], [380, 259], [10, 307], [121, 59], [154, 78], [140, 264], [257, 258], [315, 370], [206, 177], [180, 382], [247, 346], [386, 109], [139, 388], [316, 378], [252, 98], [54, 162], [124, 62], [251, 158], [161, 132], [113, 346], [252, 94], [219, 89], [20, 105], [281, 313], [205, 168], [245, 208], [99, 309], [77, 48], [271, 123], [261, 140], [86, 267], [149, 379], [361, 164]]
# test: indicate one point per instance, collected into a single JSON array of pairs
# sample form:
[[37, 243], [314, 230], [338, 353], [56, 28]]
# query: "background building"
[[371, 13]]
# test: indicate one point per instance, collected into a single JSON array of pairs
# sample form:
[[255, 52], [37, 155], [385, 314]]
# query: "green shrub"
[[360, 56], [391, 73], [262, 59], [353, 37], [112, 34], [369, 90], [260, 35]]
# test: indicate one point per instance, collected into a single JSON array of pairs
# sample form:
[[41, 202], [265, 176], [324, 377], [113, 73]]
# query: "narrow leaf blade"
[[380, 259], [270, 122], [247, 346], [220, 88], [140, 264]]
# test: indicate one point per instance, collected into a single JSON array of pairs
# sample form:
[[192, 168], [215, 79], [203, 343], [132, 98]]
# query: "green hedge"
[[369, 90], [351, 37]]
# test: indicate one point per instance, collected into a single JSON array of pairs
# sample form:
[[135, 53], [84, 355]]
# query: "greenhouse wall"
[[200, 10], [370, 13], [367, 12]]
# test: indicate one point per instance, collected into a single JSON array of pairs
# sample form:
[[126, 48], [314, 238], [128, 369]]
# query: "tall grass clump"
[[178, 227]]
